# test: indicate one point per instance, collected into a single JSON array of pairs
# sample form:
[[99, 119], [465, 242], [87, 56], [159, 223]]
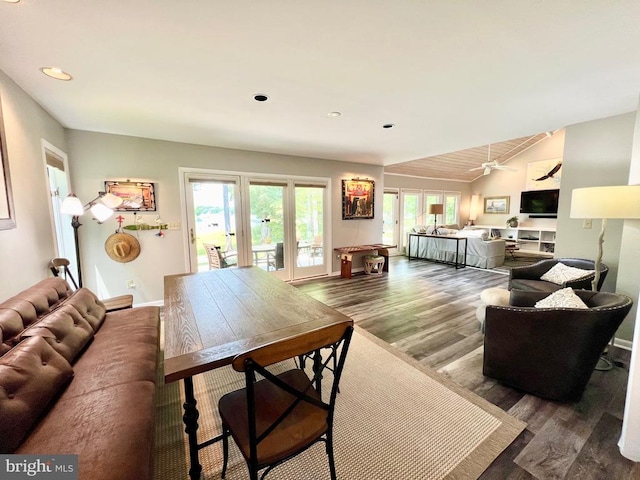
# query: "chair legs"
[[332, 465], [225, 450]]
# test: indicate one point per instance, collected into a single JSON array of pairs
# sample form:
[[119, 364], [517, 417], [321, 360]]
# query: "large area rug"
[[519, 259], [395, 419]]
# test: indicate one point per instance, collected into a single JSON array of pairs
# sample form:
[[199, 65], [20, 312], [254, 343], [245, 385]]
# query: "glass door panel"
[[390, 219], [411, 213], [268, 243], [212, 222], [310, 248]]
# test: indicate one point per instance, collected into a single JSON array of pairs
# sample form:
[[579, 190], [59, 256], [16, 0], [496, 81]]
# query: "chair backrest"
[[279, 256], [213, 255], [333, 339], [61, 265]]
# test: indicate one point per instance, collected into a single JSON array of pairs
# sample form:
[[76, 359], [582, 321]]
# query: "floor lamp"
[[101, 208], [619, 202], [436, 209]]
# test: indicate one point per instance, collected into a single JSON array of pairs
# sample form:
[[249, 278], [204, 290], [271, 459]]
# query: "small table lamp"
[[436, 209], [621, 202]]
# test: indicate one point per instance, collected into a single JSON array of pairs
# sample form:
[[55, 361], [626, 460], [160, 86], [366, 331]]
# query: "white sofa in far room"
[[482, 251]]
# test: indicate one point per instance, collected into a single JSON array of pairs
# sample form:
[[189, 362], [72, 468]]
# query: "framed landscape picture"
[[357, 199], [496, 204]]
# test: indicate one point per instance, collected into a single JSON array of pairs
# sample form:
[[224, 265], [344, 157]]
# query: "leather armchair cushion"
[[31, 375], [65, 330]]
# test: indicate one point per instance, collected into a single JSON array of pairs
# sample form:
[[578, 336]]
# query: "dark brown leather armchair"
[[528, 277], [550, 352]]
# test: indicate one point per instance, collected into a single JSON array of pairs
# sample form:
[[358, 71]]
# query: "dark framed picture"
[[7, 213], [357, 199], [136, 196]]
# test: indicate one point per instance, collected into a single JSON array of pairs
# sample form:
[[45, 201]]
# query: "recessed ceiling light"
[[12, 1], [388, 125], [260, 97], [334, 114], [56, 73]]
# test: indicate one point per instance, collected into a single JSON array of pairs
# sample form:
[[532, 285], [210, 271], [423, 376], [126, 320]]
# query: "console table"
[[346, 256], [460, 259]]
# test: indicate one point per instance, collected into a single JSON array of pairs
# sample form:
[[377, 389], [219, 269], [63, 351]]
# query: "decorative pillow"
[[563, 298], [560, 274], [31, 375], [472, 233]]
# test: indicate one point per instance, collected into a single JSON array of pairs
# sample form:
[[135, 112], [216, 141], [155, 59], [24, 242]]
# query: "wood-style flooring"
[[427, 310]]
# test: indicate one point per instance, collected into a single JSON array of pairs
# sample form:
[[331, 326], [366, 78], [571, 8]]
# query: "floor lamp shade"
[[606, 202]]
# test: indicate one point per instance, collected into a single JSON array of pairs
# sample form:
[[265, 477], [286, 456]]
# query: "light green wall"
[[596, 153], [25, 251], [96, 157]]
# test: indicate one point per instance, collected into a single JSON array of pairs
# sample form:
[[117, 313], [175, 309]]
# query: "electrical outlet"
[[173, 226], [131, 284], [586, 223]]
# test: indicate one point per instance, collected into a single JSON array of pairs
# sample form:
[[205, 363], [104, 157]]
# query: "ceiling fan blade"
[[477, 168], [504, 167]]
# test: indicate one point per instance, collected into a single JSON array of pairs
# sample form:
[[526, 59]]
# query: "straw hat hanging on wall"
[[122, 247]]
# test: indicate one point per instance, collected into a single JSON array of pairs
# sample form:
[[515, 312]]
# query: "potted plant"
[[512, 222]]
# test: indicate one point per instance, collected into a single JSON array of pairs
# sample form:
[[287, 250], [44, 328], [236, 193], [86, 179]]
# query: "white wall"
[[595, 153], [25, 251], [500, 183], [628, 284], [96, 157]]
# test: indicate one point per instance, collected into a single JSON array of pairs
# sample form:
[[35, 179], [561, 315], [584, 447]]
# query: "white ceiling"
[[450, 75]]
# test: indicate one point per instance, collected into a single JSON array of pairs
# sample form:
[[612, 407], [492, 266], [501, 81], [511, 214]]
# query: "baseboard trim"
[[626, 344]]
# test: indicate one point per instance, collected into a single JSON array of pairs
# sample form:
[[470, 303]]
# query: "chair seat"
[[303, 426]]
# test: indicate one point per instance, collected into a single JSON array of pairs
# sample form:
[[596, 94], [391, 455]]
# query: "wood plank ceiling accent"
[[456, 165]]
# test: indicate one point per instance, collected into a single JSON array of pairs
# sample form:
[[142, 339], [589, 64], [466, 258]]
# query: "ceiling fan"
[[490, 165]]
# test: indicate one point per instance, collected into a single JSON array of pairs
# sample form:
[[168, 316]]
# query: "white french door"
[[277, 224], [213, 216]]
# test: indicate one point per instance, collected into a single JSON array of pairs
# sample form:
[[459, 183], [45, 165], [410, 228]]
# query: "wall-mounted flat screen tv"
[[540, 203]]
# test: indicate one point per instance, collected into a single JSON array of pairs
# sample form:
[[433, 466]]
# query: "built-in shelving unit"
[[531, 239]]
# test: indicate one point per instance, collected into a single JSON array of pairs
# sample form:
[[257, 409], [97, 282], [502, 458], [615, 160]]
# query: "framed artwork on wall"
[[544, 175], [7, 213], [136, 196], [496, 204], [357, 199]]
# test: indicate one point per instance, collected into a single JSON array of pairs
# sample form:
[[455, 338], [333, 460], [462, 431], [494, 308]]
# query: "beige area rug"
[[395, 419]]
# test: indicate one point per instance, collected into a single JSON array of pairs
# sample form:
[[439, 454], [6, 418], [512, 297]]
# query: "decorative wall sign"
[[7, 213], [496, 204], [136, 196], [544, 175], [357, 199]]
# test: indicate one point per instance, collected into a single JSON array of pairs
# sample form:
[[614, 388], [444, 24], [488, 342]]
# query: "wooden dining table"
[[210, 317]]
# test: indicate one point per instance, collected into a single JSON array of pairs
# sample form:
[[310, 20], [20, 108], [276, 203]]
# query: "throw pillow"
[[483, 234], [560, 274], [563, 298]]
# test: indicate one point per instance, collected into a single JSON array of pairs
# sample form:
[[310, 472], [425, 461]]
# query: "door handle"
[[193, 238]]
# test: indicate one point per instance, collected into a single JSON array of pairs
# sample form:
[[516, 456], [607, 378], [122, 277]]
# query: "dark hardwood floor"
[[427, 310]]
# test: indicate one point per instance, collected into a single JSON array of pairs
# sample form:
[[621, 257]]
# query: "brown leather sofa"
[[77, 380], [528, 277], [550, 352]]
